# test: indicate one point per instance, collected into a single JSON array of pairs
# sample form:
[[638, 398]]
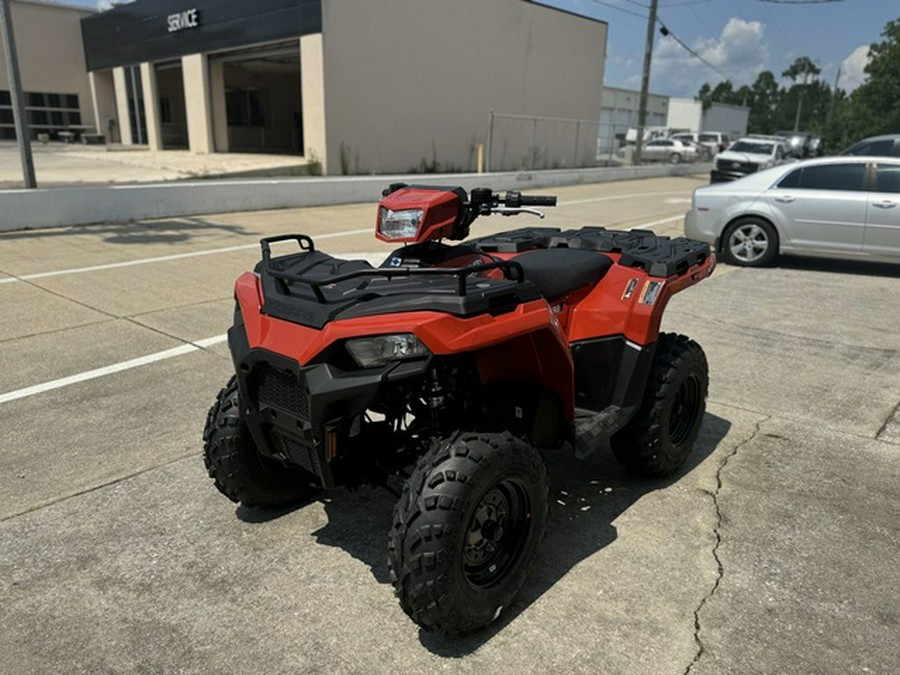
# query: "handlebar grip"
[[537, 201]]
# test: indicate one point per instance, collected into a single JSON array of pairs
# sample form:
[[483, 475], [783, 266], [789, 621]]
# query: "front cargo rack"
[[511, 270]]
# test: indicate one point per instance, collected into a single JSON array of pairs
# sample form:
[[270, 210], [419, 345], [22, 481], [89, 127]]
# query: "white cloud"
[[104, 5], [739, 53], [853, 69]]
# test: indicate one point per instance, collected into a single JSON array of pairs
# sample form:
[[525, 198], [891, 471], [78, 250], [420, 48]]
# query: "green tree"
[[765, 98], [802, 71], [875, 105]]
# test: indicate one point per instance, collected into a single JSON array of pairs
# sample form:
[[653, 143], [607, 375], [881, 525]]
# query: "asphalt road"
[[775, 550]]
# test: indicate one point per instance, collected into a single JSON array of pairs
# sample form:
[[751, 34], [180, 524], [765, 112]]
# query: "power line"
[[668, 33], [620, 9]]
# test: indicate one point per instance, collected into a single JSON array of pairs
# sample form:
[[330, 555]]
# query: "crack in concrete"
[[720, 569], [887, 421]]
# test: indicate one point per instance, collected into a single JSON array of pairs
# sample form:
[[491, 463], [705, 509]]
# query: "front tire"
[[466, 530], [675, 158], [240, 472], [661, 435], [750, 242]]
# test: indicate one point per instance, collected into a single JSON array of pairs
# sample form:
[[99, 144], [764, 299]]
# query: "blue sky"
[[740, 38]]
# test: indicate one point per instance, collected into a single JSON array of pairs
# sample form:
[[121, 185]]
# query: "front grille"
[[738, 167], [280, 389]]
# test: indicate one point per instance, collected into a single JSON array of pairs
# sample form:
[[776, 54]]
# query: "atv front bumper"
[[307, 416]]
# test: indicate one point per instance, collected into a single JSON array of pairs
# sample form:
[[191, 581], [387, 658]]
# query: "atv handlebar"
[[522, 200]]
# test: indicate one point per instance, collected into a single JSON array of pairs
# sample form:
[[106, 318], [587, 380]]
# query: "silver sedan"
[[669, 150], [839, 207]]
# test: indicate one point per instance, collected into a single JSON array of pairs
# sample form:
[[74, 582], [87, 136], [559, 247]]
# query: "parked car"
[[841, 207], [876, 146], [667, 149], [716, 141], [705, 151], [746, 156]]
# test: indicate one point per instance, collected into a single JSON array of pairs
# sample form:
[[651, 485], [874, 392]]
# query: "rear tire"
[[675, 158], [661, 435], [466, 529], [240, 472], [750, 242]]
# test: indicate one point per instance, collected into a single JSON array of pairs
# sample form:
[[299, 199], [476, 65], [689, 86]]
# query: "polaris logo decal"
[[190, 18]]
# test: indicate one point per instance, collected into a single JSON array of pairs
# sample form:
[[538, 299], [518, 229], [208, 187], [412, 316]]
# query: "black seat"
[[558, 271]]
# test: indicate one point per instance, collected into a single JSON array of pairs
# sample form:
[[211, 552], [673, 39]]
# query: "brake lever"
[[504, 211]]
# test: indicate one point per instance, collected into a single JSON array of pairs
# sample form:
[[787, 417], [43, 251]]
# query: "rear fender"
[[630, 302]]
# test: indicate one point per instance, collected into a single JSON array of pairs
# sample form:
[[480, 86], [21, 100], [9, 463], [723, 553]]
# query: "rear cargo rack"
[[512, 270]]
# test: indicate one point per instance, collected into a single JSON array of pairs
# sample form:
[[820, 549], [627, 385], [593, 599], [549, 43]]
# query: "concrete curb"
[[56, 207]]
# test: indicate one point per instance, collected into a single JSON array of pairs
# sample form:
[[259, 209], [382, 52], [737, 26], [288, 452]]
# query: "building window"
[[244, 108], [46, 113], [165, 110]]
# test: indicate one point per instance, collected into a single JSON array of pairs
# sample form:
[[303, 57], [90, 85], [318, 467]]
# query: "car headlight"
[[378, 350], [402, 224]]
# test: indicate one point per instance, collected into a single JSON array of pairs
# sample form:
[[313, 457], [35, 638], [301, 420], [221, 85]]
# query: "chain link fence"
[[531, 143]]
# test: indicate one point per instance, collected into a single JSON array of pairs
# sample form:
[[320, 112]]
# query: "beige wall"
[[103, 93], [195, 70], [413, 80], [51, 55]]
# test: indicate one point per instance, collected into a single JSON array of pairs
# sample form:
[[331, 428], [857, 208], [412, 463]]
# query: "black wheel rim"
[[685, 410], [496, 533]]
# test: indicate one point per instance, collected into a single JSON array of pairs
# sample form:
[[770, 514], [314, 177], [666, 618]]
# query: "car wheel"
[[675, 158], [750, 242]]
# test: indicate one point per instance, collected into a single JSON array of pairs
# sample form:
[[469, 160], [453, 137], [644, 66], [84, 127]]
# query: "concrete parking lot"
[[774, 551], [63, 164]]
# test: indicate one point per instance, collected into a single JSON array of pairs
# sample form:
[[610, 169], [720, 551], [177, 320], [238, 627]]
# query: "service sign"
[[189, 18]]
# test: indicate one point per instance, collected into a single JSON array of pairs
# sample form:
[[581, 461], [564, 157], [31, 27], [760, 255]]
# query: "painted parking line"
[[650, 226], [110, 370], [190, 347], [163, 258], [611, 198]]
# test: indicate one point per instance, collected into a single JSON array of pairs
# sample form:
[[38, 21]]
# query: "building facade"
[[377, 86], [620, 113], [53, 69]]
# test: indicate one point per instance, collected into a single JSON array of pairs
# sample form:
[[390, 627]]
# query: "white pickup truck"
[[746, 156]]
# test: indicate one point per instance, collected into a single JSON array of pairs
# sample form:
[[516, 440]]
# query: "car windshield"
[[758, 148]]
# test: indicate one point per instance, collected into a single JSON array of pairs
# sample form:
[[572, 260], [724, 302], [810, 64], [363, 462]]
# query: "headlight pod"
[[378, 350], [402, 224]]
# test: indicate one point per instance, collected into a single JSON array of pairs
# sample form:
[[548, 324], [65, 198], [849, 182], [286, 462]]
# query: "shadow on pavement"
[[585, 498], [856, 267], [160, 232]]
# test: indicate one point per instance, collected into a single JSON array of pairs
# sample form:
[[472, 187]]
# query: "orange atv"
[[452, 370]]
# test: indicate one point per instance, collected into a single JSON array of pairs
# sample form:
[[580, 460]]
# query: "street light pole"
[[16, 95], [645, 81]]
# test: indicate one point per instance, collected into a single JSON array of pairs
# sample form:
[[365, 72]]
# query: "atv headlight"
[[399, 224], [378, 350]]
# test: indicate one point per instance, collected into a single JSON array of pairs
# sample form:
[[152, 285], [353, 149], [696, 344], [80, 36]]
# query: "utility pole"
[[645, 81], [800, 102], [16, 95], [837, 80]]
